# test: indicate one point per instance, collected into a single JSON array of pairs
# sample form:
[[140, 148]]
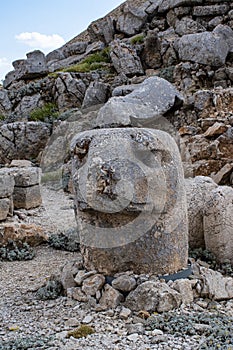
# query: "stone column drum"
[[130, 201]]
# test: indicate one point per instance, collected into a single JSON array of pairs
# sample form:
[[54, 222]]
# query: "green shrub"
[[20, 251], [137, 40], [46, 113], [97, 60], [65, 242], [80, 332], [52, 290], [2, 117]]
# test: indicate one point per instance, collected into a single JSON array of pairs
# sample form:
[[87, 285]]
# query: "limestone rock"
[[82, 275], [27, 197], [218, 223], [197, 190], [102, 29], [6, 183], [55, 55], [130, 200], [193, 47], [22, 140], [184, 287], [96, 93], [188, 26], [93, 284], [111, 298], [125, 59], [225, 171], [26, 177], [68, 273], [143, 106], [20, 163], [69, 91], [132, 19], [211, 10], [5, 205], [165, 5], [77, 294], [215, 130], [5, 103], [76, 48], [28, 233], [153, 296], [28, 104], [124, 283], [215, 286]]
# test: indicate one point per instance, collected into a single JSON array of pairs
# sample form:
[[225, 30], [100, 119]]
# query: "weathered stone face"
[[130, 201]]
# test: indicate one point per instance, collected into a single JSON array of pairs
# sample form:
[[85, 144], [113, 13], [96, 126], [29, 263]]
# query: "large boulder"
[[197, 189], [218, 223], [132, 18], [130, 201], [69, 91], [96, 93], [148, 102], [125, 59], [204, 48], [22, 140]]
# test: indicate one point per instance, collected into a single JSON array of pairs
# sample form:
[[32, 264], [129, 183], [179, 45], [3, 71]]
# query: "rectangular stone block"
[[25, 177], [212, 10], [5, 206], [27, 197], [6, 183]]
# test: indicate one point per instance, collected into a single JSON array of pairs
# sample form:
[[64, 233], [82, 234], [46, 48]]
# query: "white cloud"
[[5, 67], [40, 41]]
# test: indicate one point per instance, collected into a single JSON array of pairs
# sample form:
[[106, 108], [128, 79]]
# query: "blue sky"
[[26, 25]]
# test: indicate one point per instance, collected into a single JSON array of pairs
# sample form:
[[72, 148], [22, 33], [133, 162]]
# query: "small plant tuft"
[[137, 40], [16, 251], [67, 242], [52, 290], [47, 113], [80, 332], [97, 60]]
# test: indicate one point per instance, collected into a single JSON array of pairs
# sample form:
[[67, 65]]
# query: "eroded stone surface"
[[218, 223], [130, 201]]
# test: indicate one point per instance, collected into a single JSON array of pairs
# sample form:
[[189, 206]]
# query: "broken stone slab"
[[215, 130], [193, 47], [26, 177], [215, 286], [75, 48], [218, 223], [144, 106], [27, 197], [125, 59], [197, 189], [18, 232], [7, 183], [130, 201], [222, 173], [211, 10], [96, 93]]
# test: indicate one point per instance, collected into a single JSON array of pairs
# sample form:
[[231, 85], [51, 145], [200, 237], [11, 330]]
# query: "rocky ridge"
[[134, 41]]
